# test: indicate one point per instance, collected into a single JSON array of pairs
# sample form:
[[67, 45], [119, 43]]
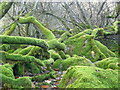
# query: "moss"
[[32, 68], [54, 55], [7, 71], [10, 30], [49, 35], [17, 51], [78, 43], [104, 49], [89, 77], [26, 20], [71, 61], [21, 58], [49, 61], [18, 69], [23, 40], [62, 54], [87, 31], [97, 32], [23, 82], [111, 62], [115, 26], [5, 47], [43, 77], [4, 8], [56, 44], [64, 36], [26, 50], [88, 47]]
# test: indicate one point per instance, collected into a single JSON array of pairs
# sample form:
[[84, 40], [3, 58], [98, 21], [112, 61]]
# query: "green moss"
[[21, 58], [10, 30], [4, 8], [87, 31], [88, 47], [111, 62], [115, 26], [49, 61], [54, 55], [56, 44], [71, 61], [64, 36], [43, 77], [7, 71], [18, 69], [89, 77], [25, 50], [23, 40], [62, 54], [104, 49], [26, 20], [17, 51], [32, 68], [49, 35], [5, 47], [23, 82]]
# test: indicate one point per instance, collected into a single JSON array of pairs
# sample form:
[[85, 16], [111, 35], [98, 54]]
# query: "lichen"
[[89, 77]]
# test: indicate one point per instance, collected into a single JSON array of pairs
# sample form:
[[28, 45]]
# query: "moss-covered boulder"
[[111, 63], [7, 71], [23, 82], [89, 77], [8, 79], [71, 61]]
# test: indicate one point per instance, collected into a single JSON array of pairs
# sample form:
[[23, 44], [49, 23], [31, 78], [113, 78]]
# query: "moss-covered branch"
[[4, 8], [43, 77], [10, 30], [23, 40], [49, 35], [21, 58]]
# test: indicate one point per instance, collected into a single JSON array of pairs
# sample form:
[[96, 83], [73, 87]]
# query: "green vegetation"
[[89, 77], [89, 63]]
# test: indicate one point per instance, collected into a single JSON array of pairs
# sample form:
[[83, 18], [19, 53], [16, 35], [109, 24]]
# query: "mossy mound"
[[89, 77], [8, 79], [6, 71], [71, 61], [111, 63]]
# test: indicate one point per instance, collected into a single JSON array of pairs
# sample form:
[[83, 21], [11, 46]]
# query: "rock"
[[89, 77]]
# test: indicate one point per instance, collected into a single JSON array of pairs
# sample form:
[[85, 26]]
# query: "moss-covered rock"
[[71, 61], [23, 82], [111, 62], [7, 71], [8, 79], [89, 77]]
